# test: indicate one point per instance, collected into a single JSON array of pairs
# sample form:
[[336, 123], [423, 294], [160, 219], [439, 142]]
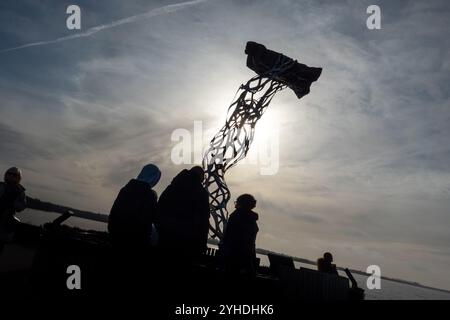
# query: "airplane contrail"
[[152, 13]]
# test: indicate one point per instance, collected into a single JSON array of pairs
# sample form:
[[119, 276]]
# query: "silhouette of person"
[[238, 247], [183, 214], [12, 200], [133, 211], [325, 265]]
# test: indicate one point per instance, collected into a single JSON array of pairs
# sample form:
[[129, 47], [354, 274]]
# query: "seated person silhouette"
[[133, 211], [183, 214], [238, 248], [325, 265]]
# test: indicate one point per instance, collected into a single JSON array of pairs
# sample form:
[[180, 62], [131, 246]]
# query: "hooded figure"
[[183, 214], [12, 200], [133, 211], [238, 247]]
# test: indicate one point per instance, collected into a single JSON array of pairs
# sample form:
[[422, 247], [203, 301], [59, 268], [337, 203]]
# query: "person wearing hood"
[[12, 200], [238, 246], [183, 214], [133, 211]]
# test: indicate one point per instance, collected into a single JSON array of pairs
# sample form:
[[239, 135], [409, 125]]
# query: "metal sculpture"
[[231, 144]]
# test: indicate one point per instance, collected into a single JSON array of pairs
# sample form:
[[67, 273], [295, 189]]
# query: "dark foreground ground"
[[156, 285], [36, 264]]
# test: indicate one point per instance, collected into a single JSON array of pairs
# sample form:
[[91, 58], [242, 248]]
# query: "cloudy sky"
[[363, 165]]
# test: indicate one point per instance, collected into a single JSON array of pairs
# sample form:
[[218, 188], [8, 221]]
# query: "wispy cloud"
[[138, 17]]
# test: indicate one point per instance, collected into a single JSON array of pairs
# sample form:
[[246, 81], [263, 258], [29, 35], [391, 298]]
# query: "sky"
[[362, 163]]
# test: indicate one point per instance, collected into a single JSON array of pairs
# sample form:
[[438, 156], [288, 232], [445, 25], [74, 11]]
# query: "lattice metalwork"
[[232, 143]]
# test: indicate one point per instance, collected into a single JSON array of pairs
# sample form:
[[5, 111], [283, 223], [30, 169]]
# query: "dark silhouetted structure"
[[238, 248], [12, 200], [231, 144], [183, 214], [325, 265], [134, 210], [278, 262]]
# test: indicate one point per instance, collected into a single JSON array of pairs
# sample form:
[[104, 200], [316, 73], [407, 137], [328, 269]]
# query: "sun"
[[268, 127]]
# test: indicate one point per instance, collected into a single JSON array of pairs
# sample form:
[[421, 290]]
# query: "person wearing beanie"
[[238, 247]]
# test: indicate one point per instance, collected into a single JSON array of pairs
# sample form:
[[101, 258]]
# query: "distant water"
[[390, 290], [38, 218]]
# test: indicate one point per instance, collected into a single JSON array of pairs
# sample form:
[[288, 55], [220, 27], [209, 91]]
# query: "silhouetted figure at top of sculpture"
[[134, 210], [325, 264], [183, 214], [238, 248], [12, 200]]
